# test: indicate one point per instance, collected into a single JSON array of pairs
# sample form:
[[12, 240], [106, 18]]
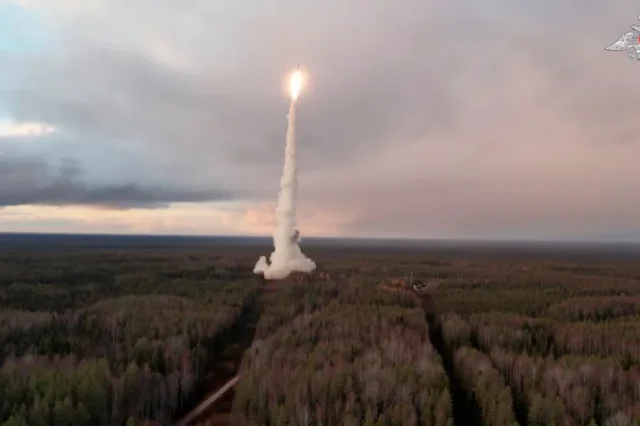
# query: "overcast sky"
[[465, 119]]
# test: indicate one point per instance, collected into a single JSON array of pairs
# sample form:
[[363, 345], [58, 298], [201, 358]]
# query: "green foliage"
[[569, 353], [111, 338], [128, 336], [357, 352]]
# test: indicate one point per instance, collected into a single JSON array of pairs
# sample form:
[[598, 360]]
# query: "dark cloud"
[[32, 181]]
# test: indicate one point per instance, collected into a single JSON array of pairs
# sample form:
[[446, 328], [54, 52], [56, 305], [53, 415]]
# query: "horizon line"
[[357, 238]]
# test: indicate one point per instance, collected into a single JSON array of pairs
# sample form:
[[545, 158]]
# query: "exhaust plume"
[[287, 256]]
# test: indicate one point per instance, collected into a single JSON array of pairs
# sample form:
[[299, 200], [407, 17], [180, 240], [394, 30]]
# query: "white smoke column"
[[287, 256]]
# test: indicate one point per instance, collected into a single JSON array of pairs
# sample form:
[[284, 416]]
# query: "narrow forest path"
[[227, 363], [226, 366], [466, 411], [202, 407]]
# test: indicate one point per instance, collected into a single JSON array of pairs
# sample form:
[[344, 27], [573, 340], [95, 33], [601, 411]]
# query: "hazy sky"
[[465, 119]]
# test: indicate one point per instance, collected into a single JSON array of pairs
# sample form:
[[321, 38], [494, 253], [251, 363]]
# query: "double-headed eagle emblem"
[[630, 42]]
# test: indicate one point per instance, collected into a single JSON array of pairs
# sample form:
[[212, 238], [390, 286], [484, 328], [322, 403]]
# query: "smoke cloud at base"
[[287, 256]]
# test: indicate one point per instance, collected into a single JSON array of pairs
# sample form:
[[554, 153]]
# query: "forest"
[[328, 353], [135, 336], [498, 342], [113, 337]]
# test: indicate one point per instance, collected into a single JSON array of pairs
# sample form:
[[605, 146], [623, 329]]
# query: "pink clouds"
[[195, 219], [469, 119]]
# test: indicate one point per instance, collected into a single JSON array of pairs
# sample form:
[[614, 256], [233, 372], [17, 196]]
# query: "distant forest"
[[135, 336]]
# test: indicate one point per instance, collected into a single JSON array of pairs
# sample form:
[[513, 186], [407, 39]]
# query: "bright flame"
[[296, 84]]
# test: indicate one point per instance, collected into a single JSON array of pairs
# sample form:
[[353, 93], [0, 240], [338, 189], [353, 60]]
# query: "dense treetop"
[[133, 336]]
